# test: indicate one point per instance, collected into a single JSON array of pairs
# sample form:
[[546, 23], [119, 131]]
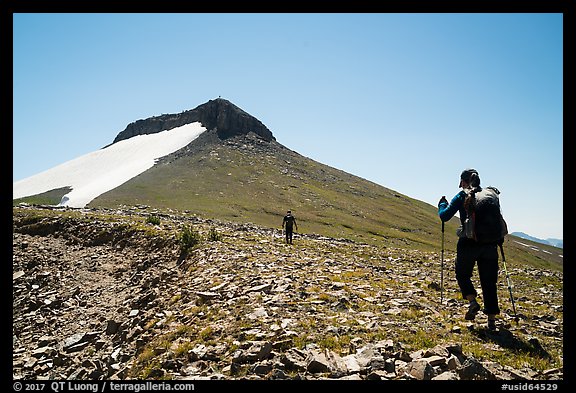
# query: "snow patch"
[[95, 173]]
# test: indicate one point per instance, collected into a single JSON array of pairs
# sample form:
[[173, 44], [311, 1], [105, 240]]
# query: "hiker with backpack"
[[289, 222], [482, 230]]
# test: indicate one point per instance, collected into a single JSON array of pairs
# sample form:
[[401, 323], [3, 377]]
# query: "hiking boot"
[[473, 309], [492, 324]]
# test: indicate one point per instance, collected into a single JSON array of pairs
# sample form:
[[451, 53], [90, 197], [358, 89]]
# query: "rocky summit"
[[219, 115], [137, 293]]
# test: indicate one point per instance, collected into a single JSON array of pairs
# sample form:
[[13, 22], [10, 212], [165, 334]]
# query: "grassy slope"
[[243, 181], [252, 185], [52, 197]]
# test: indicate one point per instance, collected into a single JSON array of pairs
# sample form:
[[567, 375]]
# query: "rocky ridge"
[[219, 114], [104, 294]]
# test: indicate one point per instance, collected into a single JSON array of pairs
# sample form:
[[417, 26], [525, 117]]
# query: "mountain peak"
[[219, 114]]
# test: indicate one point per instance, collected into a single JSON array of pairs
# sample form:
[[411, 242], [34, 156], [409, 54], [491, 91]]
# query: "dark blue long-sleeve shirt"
[[447, 210]]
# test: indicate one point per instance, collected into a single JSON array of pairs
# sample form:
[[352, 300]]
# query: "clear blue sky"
[[404, 100]]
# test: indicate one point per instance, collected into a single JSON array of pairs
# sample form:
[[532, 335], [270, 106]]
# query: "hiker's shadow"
[[506, 339]]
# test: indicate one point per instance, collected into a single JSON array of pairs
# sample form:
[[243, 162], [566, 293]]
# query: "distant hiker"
[[290, 223], [471, 248]]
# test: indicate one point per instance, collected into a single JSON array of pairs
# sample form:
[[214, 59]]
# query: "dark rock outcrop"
[[219, 114]]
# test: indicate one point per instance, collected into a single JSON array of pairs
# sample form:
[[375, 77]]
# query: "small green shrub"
[[154, 220], [213, 235], [189, 238]]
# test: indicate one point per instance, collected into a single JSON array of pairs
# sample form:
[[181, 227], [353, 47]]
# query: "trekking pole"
[[508, 282], [442, 268]]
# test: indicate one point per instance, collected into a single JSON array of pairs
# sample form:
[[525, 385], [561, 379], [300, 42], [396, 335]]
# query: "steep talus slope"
[[108, 294]]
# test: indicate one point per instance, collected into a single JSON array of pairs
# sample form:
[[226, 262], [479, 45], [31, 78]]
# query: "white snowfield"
[[95, 173]]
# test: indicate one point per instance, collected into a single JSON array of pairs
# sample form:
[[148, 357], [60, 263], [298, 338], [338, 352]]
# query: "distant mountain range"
[[552, 242]]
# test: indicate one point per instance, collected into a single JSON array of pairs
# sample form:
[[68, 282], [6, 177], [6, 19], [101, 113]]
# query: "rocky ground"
[[101, 294]]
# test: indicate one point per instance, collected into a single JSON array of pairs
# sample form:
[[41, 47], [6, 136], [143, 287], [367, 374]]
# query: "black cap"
[[467, 173]]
